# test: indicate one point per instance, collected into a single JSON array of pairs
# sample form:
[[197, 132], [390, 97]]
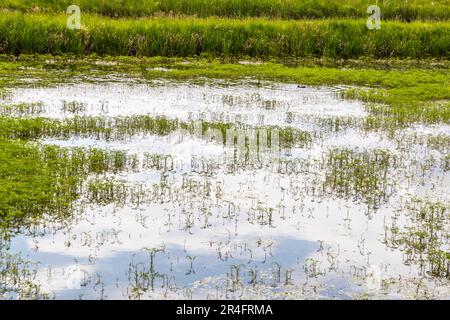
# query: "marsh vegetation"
[[224, 150], [159, 183]]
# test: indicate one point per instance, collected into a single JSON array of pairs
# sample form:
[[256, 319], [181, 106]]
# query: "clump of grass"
[[83, 162], [4, 93], [425, 240], [406, 105], [160, 162], [440, 142], [46, 180], [446, 163], [106, 191], [31, 185], [84, 126], [361, 176], [73, 107], [290, 137], [17, 278], [22, 109], [286, 9], [119, 128], [222, 37]]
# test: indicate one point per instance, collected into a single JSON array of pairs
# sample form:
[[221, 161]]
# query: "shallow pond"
[[327, 218]]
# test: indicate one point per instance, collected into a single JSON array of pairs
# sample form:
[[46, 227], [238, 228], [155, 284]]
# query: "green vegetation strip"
[[118, 128], [35, 33], [286, 9]]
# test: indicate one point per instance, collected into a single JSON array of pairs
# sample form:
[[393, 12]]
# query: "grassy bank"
[[285, 9], [185, 37]]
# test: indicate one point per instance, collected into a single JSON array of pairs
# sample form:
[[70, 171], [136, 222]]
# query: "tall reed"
[[285, 9], [222, 37]]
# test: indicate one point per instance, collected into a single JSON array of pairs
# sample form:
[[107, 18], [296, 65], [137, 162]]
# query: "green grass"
[[22, 109], [203, 39], [413, 104], [31, 184], [43, 34], [39, 180], [446, 163], [286, 9]]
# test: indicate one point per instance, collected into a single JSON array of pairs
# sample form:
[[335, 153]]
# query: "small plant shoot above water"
[[232, 150]]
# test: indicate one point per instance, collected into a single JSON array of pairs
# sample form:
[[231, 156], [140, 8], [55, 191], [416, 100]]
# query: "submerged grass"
[[286, 9], [362, 176], [119, 128], [424, 240], [38, 181], [17, 278], [186, 37], [420, 104], [45, 180], [22, 109], [32, 184]]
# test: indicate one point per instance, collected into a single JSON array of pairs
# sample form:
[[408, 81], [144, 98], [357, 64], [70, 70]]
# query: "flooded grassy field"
[[148, 183]]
